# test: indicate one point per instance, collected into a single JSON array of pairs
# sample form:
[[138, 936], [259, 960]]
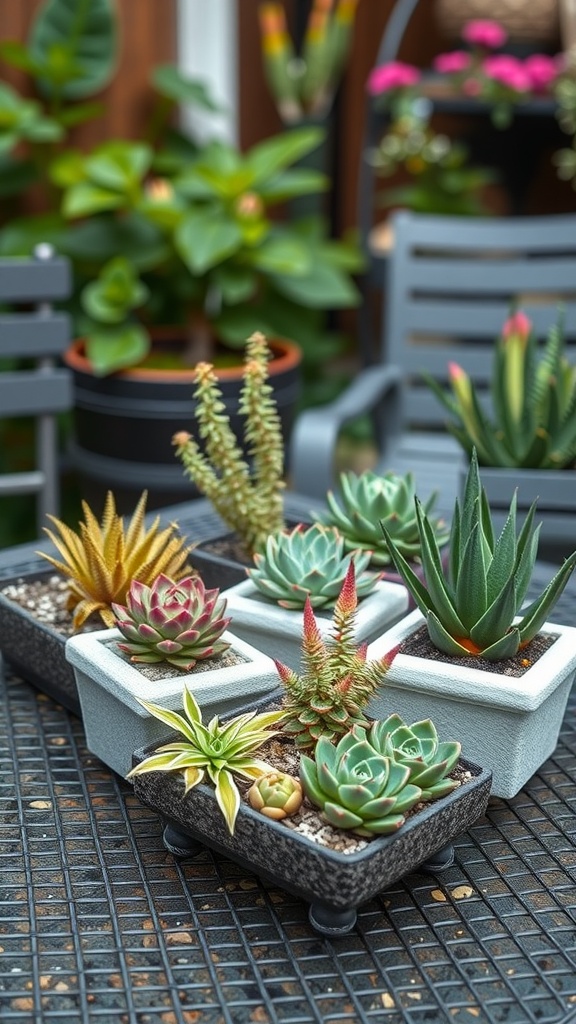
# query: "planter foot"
[[180, 844], [331, 922], [440, 861]]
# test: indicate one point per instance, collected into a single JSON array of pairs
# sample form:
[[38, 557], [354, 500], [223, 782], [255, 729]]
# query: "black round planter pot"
[[124, 423]]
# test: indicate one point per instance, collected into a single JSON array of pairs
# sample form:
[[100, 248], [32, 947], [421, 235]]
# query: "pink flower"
[[452, 63], [541, 70], [518, 325], [507, 70], [484, 33], [393, 75]]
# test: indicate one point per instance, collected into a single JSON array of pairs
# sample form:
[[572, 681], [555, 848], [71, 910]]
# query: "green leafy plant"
[[217, 750], [196, 223], [308, 562], [368, 499], [417, 748], [337, 681], [357, 788], [475, 607], [246, 494], [533, 392], [179, 623], [276, 795], [101, 561]]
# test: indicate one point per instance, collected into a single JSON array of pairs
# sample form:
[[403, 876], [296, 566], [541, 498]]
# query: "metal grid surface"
[[100, 925]]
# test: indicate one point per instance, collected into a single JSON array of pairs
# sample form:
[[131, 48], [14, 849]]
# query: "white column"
[[208, 50]]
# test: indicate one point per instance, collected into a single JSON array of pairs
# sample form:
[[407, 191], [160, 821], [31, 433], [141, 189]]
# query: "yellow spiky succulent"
[[101, 560]]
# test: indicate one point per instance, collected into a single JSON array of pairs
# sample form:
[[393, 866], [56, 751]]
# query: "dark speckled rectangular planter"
[[36, 650], [335, 884]]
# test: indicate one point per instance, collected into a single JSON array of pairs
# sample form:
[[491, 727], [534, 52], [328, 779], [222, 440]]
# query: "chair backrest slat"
[[33, 334]]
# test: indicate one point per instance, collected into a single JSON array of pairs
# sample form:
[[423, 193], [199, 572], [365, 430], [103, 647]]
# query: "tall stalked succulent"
[[179, 623], [472, 607], [216, 750], [102, 559], [418, 748], [533, 419], [337, 682], [367, 500], [247, 493], [308, 562], [357, 788]]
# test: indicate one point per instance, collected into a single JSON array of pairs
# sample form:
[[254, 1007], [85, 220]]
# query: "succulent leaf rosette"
[[309, 562], [418, 748], [216, 750], [475, 607], [277, 795], [357, 788], [102, 559], [368, 499], [180, 623]]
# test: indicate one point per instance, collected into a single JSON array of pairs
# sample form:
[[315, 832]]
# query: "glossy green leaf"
[[205, 238], [75, 42], [173, 84], [84, 199], [110, 349]]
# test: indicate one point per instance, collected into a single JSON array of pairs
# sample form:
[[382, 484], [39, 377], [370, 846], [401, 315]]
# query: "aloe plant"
[[475, 607], [532, 423], [217, 750]]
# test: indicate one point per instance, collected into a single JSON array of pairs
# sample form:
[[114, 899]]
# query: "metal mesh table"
[[100, 925]]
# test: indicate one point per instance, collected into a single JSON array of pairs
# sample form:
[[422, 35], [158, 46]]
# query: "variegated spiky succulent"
[[180, 623], [101, 560], [218, 750], [308, 562], [246, 492], [417, 747], [276, 795], [475, 607], [367, 500], [356, 788], [533, 416], [337, 682]]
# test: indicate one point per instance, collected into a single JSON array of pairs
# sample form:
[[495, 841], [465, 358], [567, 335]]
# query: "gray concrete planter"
[[555, 491], [278, 631], [508, 724], [109, 687], [334, 883]]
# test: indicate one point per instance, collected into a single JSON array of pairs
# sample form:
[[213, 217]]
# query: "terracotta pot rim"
[[286, 356]]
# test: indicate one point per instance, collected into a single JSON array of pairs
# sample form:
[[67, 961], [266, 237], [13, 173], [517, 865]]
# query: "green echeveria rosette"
[[417, 747], [180, 623], [309, 562], [356, 788], [368, 500]]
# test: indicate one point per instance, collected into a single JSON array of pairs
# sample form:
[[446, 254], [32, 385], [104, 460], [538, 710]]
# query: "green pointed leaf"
[[84, 199], [171, 83], [537, 613], [84, 32], [471, 585], [205, 238], [114, 348], [228, 798], [274, 154], [498, 618], [442, 639], [506, 647]]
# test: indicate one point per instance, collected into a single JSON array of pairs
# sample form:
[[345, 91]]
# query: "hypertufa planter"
[[278, 631], [109, 688], [334, 883], [509, 724]]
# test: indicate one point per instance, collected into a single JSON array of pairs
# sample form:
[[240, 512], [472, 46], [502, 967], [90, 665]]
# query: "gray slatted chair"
[[32, 330], [449, 286]]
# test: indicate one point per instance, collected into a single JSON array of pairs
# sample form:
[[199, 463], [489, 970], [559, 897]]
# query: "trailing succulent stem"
[[337, 681], [476, 605], [101, 561], [533, 420], [246, 492]]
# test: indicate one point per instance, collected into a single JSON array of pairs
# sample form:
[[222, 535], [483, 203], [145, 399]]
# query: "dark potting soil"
[[419, 645]]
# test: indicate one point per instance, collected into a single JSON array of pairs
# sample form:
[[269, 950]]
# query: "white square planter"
[[278, 631], [509, 725], [108, 687]]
